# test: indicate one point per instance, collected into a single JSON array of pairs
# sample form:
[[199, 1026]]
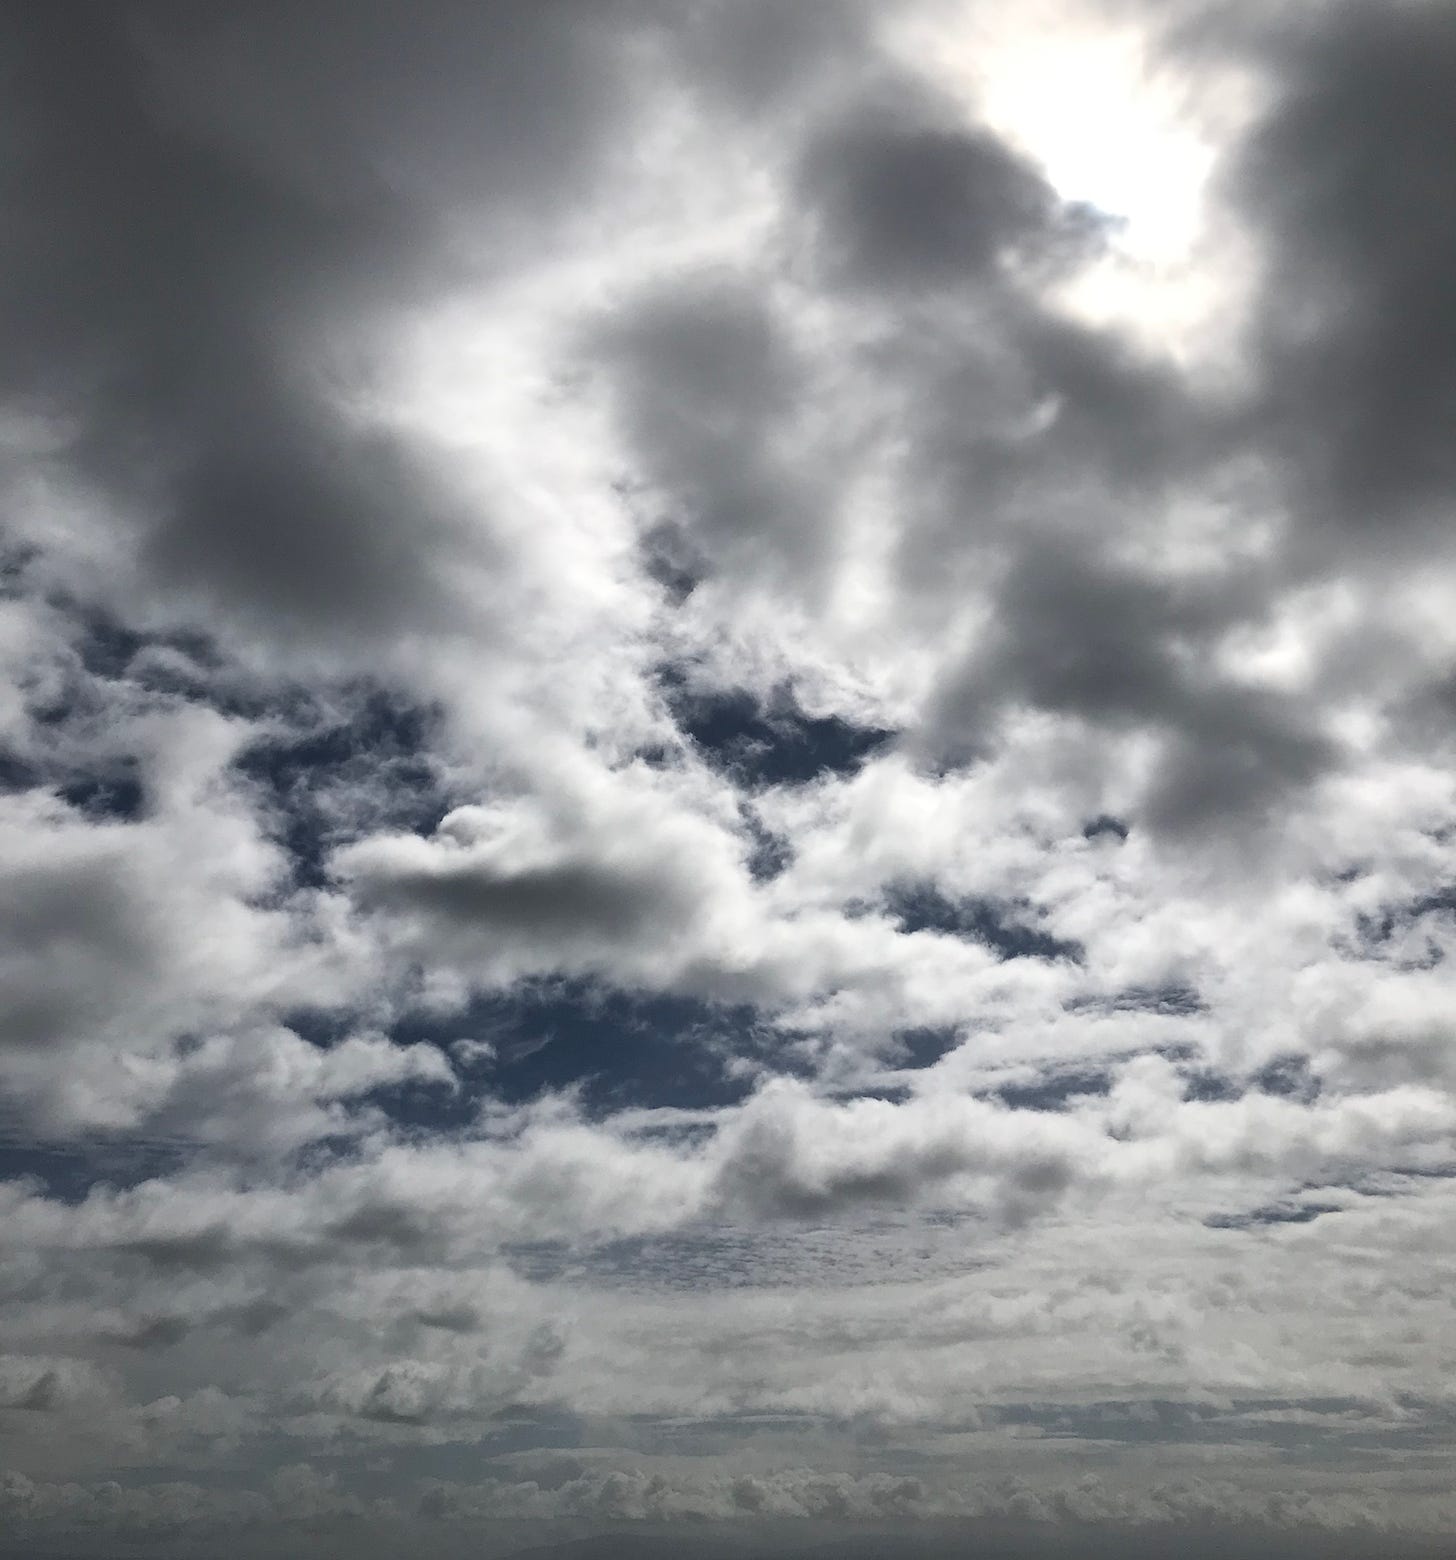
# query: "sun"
[[1113, 125]]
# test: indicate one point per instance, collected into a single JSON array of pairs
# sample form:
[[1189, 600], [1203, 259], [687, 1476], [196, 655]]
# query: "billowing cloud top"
[[726, 774]]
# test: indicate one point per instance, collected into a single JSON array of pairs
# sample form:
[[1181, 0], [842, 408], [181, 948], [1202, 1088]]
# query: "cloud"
[[160, 923], [910, 197], [44, 1386], [1356, 327], [188, 269], [611, 884], [711, 391], [791, 1156], [710, 795]]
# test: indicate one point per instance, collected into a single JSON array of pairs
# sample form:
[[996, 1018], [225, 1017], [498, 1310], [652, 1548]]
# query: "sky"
[[726, 778]]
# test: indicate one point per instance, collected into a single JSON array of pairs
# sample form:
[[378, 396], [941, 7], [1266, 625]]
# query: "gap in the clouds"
[[765, 743], [69, 1171], [1272, 1213], [330, 761], [1173, 1000], [1304, 1205], [922, 907], [107, 790], [1206, 1085], [1390, 1182], [613, 1049], [114, 792], [17, 773], [161, 666], [1376, 931], [1287, 1076], [1104, 824], [921, 1047], [75, 746], [1041, 1084], [110, 650], [353, 762], [1055, 1091], [1137, 1419], [769, 854], [1167, 1421]]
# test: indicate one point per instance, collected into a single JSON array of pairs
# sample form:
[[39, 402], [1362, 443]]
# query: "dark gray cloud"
[[710, 391], [84, 916], [565, 900], [152, 1333], [451, 1318], [1018, 419], [1014, 415], [764, 56], [206, 222], [1349, 186], [570, 909], [907, 195], [1128, 414], [160, 283], [1127, 650]]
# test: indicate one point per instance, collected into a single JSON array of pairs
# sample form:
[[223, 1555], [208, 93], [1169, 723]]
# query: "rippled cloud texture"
[[726, 782]]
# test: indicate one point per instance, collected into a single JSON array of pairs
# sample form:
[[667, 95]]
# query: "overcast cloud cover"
[[726, 776]]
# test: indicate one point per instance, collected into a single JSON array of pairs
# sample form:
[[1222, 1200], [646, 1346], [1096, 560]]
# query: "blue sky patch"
[[339, 774], [619, 1049], [774, 744], [921, 907]]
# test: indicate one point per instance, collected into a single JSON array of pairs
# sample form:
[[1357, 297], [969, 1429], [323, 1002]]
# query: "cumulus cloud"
[[497, 880]]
